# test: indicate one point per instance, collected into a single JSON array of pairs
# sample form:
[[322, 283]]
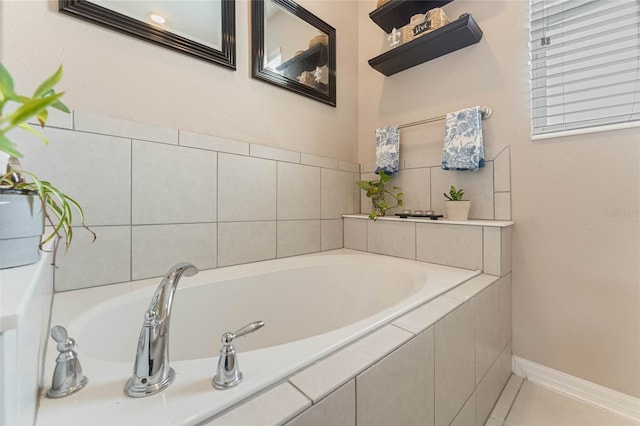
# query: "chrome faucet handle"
[[228, 373], [67, 376], [249, 328]]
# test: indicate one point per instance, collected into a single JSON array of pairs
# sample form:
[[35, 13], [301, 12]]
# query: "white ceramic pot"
[[21, 229], [457, 210]]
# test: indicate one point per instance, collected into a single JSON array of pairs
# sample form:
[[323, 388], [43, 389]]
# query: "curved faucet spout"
[[151, 371]]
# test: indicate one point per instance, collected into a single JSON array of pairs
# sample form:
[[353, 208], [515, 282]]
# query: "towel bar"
[[485, 111]]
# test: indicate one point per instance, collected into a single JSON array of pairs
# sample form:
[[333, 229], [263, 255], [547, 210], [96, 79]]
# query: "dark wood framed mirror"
[[205, 29], [293, 49]]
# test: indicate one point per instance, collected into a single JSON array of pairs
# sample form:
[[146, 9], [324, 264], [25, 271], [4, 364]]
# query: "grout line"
[[506, 416], [217, 210], [130, 209]]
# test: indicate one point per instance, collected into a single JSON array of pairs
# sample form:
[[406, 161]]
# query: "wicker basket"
[[307, 79], [319, 39], [434, 19], [382, 3]]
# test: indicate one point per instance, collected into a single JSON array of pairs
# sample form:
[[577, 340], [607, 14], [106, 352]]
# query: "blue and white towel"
[[388, 150], [463, 147]]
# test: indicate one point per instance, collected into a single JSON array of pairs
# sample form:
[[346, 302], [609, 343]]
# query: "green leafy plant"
[[54, 201], [375, 189], [454, 194]]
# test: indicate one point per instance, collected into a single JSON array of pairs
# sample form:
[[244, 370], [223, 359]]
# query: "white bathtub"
[[311, 305]]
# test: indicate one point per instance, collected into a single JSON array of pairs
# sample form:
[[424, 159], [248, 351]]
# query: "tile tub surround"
[[423, 181], [473, 244], [157, 196], [423, 368]]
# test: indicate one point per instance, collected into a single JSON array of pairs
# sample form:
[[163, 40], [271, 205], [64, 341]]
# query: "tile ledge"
[[471, 222]]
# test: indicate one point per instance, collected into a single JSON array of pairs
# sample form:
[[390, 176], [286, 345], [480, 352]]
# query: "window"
[[584, 66]]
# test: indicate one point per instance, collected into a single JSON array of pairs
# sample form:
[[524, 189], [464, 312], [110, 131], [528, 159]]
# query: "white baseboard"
[[577, 388]]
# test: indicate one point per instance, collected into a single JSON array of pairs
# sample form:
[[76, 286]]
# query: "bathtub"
[[311, 305]]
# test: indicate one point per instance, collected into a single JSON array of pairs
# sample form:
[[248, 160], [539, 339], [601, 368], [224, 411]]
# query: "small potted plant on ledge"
[[376, 191], [456, 208], [25, 200]]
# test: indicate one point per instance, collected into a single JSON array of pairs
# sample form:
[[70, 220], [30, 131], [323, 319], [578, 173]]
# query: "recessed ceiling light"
[[157, 18]]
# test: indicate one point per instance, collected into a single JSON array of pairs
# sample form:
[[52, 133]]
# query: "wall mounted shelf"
[[305, 61], [396, 13], [456, 35]]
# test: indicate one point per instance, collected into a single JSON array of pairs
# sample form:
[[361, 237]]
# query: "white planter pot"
[[21, 229], [457, 210]]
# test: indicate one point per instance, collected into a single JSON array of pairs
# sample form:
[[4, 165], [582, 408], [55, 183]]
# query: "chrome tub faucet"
[[151, 371]]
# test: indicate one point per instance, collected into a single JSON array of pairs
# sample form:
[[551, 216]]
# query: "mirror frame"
[[226, 57], [257, 51]]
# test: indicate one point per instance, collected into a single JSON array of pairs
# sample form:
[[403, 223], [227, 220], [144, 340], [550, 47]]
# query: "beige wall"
[[576, 284], [109, 73]]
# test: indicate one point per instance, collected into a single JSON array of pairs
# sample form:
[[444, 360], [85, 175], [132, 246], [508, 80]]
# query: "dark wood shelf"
[[305, 61], [397, 13], [456, 35]]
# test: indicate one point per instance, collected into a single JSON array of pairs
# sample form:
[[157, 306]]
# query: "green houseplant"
[[56, 207], [456, 208], [375, 189]]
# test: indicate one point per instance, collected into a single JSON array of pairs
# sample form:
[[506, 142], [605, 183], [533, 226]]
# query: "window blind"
[[584, 64]]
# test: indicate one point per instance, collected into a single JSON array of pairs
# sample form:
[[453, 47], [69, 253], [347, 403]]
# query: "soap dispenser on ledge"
[[67, 376]]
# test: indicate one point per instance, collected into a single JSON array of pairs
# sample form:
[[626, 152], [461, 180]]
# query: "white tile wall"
[[391, 238], [89, 264], [275, 406], [502, 205], [171, 184], [213, 143], [478, 188], [270, 153], [505, 310], [156, 248], [489, 188], [416, 186], [298, 192], [337, 409], [402, 379], [315, 160], [467, 415], [324, 377], [454, 245], [244, 242], [338, 193], [502, 171], [297, 237], [92, 123], [246, 188], [126, 173], [454, 362], [487, 319], [102, 161], [331, 234], [355, 234]]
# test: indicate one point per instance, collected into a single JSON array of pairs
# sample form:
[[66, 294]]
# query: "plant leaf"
[[31, 108], [6, 84], [48, 84], [363, 184], [9, 147], [28, 128]]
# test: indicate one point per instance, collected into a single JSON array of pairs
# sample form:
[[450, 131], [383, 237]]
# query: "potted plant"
[[455, 207], [25, 200], [376, 191]]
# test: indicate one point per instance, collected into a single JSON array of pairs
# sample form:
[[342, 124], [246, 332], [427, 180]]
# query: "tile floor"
[[523, 403]]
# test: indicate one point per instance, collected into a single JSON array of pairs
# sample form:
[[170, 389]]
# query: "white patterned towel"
[[388, 150], [463, 147]]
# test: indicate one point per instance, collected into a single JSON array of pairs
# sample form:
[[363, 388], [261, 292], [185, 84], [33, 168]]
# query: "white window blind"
[[584, 64]]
